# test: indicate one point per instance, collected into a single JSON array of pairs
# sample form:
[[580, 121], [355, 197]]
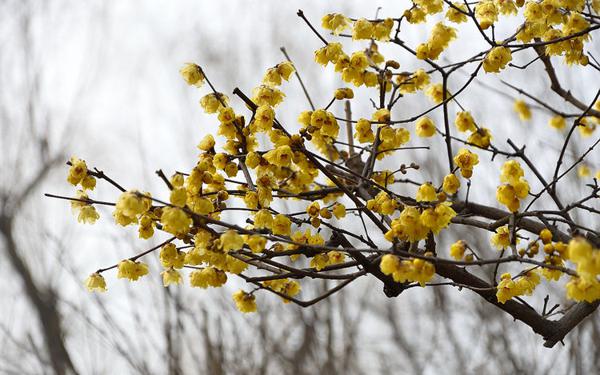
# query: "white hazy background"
[[100, 79]]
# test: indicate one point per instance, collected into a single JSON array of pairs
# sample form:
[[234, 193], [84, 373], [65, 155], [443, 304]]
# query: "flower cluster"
[[515, 187], [411, 270], [440, 37], [255, 168], [585, 286], [510, 287]]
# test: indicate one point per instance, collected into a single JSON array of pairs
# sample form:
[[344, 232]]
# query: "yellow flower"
[[95, 282], [281, 156], [480, 138], [441, 35], [359, 61], [586, 127], [466, 160], [430, 6], [497, 59], [456, 16], [192, 74], [552, 274], [207, 143], [457, 249], [313, 209], [408, 227], [146, 229], [330, 53], [77, 171], [175, 221], [415, 15], [501, 240], [486, 13], [381, 116], [437, 218], [335, 257], [339, 210], [226, 116], [231, 240], [413, 82], [506, 195], [263, 118], [343, 93], [263, 94], [451, 184], [583, 171], [587, 259], [383, 29], [417, 270], [516, 187], [557, 122], [436, 93], [171, 276], [506, 289], [177, 180], [252, 160], [129, 205], [389, 264], [281, 225], [86, 213], [546, 236], [464, 122], [511, 172], [178, 197], [425, 127], [88, 182], [426, 193], [256, 243], [580, 289], [522, 110], [212, 103], [170, 257], [281, 71], [335, 22], [209, 276], [363, 29], [263, 219], [129, 269], [319, 261], [285, 69], [284, 286], [244, 302]]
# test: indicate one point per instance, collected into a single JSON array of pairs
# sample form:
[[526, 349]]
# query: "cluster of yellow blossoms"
[[585, 286], [524, 284], [515, 187], [284, 168], [480, 136], [283, 286], [466, 160], [415, 224], [440, 37], [407, 270], [496, 59], [458, 250], [78, 175]]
